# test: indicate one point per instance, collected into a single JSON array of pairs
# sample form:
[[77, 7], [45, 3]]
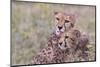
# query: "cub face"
[[69, 40], [64, 22]]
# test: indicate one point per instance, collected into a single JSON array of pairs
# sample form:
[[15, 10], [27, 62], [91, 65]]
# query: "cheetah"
[[64, 22], [69, 40], [44, 56], [51, 53], [63, 44], [48, 55], [75, 42]]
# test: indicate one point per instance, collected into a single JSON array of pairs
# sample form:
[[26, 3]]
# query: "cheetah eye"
[[57, 18], [66, 21], [60, 43], [66, 37], [72, 39]]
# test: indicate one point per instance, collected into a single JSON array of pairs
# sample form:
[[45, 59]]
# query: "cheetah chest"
[[47, 53]]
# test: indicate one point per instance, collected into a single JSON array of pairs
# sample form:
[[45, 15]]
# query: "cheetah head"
[[63, 22], [69, 40]]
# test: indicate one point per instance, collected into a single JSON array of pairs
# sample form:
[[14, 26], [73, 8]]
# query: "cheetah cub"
[[72, 39], [44, 56], [75, 42], [69, 40], [64, 22]]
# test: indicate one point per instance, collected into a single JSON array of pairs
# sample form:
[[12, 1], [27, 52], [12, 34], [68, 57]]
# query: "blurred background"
[[32, 23]]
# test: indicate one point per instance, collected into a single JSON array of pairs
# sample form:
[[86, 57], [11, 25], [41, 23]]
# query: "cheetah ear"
[[77, 33], [73, 17]]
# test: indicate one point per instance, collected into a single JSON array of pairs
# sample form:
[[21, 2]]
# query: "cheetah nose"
[[66, 37], [65, 45], [59, 27], [60, 43]]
